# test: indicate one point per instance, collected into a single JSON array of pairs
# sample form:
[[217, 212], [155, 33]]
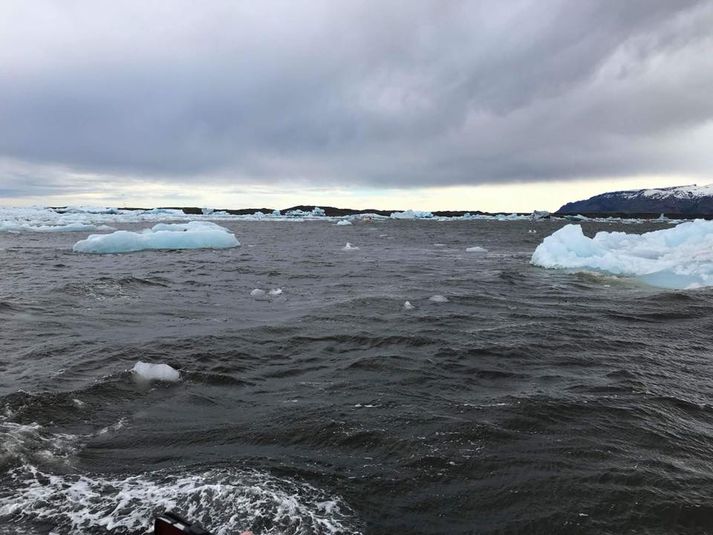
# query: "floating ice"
[[191, 235], [275, 292], [438, 298], [476, 250], [155, 372], [9, 226], [89, 218], [258, 293], [539, 214], [412, 214], [343, 222], [408, 306], [678, 258], [315, 212], [350, 247]]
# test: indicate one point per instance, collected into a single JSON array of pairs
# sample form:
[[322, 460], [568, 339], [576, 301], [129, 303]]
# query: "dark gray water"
[[533, 401]]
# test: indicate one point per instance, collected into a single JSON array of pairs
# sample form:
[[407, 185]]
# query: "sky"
[[492, 105]]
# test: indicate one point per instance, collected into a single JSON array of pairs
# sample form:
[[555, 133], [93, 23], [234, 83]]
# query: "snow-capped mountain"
[[691, 199]]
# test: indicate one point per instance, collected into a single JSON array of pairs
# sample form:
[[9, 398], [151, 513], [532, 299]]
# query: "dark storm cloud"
[[386, 93]]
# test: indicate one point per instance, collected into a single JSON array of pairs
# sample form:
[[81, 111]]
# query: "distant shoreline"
[[331, 211]]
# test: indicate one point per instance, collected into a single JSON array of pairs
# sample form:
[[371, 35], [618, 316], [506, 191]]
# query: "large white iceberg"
[[191, 235], [678, 258]]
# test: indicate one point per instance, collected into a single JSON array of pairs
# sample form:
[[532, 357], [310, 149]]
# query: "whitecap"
[[225, 501]]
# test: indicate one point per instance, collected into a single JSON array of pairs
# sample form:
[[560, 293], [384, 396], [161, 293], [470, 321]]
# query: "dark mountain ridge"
[[686, 201]]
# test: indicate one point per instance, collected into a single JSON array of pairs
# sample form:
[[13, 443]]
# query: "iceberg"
[[680, 257], [438, 298], [350, 247], [155, 372], [315, 212], [191, 235], [476, 249], [510, 217], [343, 222], [536, 215], [412, 214]]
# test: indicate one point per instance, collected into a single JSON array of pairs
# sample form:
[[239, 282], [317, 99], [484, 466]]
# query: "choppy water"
[[533, 401]]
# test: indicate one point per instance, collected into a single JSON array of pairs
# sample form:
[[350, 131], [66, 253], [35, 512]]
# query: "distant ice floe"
[[343, 222], [155, 372], [77, 218], [191, 235], [677, 258], [350, 247], [93, 218], [476, 250], [408, 305], [438, 298], [6, 226], [412, 214]]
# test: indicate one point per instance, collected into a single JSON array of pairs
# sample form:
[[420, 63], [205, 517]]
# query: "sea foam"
[[226, 501]]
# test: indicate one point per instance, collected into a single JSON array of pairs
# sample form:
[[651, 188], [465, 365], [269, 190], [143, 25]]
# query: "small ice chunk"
[[155, 372], [476, 250], [257, 293], [350, 247], [343, 222], [275, 291], [438, 298], [439, 244], [408, 306]]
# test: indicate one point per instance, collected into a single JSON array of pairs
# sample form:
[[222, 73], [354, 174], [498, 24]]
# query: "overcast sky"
[[373, 103]]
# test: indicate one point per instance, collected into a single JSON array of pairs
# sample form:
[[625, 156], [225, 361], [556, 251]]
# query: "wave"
[[225, 501]]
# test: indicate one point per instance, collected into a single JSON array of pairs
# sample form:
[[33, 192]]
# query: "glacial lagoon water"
[[526, 401]]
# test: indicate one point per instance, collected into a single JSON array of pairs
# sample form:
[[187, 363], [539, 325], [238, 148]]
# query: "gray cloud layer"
[[392, 93]]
